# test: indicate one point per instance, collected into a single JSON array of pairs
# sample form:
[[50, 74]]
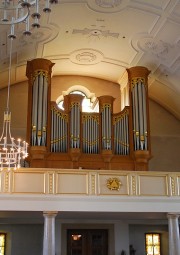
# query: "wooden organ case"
[[72, 139]]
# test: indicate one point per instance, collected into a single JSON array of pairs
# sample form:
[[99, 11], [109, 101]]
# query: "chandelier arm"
[[16, 21], [19, 6]]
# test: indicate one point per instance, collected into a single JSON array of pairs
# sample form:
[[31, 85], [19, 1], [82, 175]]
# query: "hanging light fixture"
[[11, 152], [20, 11], [14, 12]]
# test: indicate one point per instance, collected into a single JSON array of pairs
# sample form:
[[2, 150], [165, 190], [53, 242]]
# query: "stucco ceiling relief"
[[95, 33], [105, 5], [86, 57], [165, 53]]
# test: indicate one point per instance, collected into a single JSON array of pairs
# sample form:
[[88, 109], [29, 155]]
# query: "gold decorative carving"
[[136, 80], [114, 184], [93, 183], [40, 73], [86, 117], [6, 182], [106, 105], [50, 183], [133, 185], [75, 104], [173, 186], [119, 117]]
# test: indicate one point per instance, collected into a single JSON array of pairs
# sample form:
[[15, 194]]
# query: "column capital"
[[50, 213], [173, 215]]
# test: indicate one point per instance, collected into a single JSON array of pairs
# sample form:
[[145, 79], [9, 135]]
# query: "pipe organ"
[[71, 138]]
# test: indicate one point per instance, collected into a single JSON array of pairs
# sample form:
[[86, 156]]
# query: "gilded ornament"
[[136, 80], [114, 183]]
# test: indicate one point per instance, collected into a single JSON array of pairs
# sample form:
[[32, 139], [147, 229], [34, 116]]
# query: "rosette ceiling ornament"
[[13, 12]]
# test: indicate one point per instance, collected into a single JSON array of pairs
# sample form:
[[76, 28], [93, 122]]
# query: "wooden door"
[[87, 242]]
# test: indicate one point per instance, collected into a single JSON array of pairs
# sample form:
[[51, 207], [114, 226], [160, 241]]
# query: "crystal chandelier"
[[11, 152], [13, 12], [20, 11]]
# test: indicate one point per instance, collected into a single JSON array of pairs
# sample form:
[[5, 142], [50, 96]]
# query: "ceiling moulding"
[[160, 5], [109, 6]]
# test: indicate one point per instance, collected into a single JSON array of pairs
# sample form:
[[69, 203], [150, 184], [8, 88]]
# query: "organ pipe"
[[139, 115], [39, 109], [121, 132], [58, 130], [106, 127], [90, 135], [75, 125]]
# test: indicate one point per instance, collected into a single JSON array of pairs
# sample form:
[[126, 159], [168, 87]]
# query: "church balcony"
[[32, 189]]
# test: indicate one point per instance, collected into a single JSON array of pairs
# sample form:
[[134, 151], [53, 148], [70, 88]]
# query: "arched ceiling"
[[102, 38]]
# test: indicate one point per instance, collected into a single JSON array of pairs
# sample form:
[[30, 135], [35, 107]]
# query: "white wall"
[[137, 237], [23, 239], [121, 233], [165, 139], [27, 239]]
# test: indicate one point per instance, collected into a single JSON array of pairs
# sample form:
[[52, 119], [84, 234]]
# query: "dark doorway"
[[87, 242]]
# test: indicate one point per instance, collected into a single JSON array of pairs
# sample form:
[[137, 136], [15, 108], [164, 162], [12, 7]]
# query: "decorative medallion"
[[108, 3], [105, 5], [114, 184], [86, 57]]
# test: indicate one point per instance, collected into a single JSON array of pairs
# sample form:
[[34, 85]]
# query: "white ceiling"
[[102, 38]]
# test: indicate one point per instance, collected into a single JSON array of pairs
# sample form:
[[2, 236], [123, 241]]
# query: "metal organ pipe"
[[34, 112], [40, 97], [45, 111], [39, 110], [75, 125], [52, 131], [78, 126], [145, 116], [127, 134], [106, 127], [139, 114], [103, 129], [121, 133], [121, 136], [136, 118], [72, 125], [58, 131], [109, 127], [90, 134]]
